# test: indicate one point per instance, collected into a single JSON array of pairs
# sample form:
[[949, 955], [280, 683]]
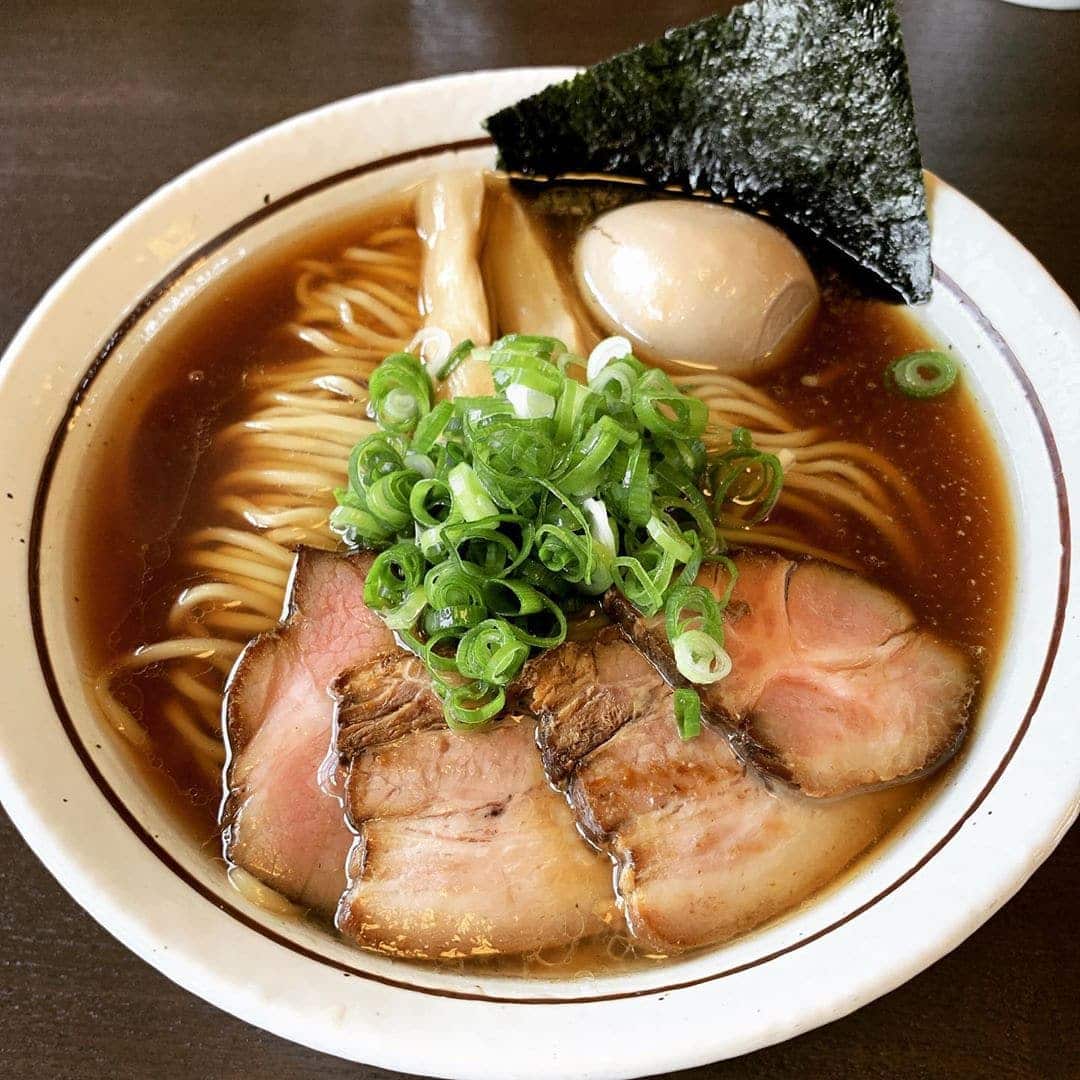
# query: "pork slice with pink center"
[[834, 686], [279, 824]]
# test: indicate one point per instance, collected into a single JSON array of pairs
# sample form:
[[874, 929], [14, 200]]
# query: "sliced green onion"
[[665, 410], [687, 713], [732, 572], [693, 607], [430, 502], [605, 548], [600, 525], [358, 526], [688, 574], [430, 429], [471, 501], [400, 410], [395, 573], [616, 380], [637, 585], [633, 492], [700, 658], [442, 368], [669, 537], [923, 374], [583, 475], [564, 551], [388, 498], [571, 412], [407, 612], [746, 483], [456, 617], [420, 464], [530, 404], [373, 457], [531, 373], [491, 652], [472, 706], [430, 542], [400, 393], [433, 345], [531, 346], [489, 544], [611, 348], [455, 583], [497, 516]]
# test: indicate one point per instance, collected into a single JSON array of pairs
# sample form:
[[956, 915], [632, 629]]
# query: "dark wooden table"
[[101, 102]]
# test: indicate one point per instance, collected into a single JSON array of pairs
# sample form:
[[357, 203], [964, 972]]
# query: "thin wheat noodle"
[[799, 504], [317, 339], [207, 698], [748, 409], [279, 442], [302, 369], [251, 888], [340, 430], [365, 336], [392, 235], [304, 481], [396, 273], [268, 518], [315, 266], [220, 595], [782, 542], [207, 749], [386, 315], [118, 715], [858, 477], [378, 258], [791, 440], [245, 541], [392, 299], [883, 523], [867, 456], [268, 588], [343, 387], [286, 457], [295, 404]]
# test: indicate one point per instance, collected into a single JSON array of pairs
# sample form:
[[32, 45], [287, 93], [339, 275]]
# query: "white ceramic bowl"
[[72, 789]]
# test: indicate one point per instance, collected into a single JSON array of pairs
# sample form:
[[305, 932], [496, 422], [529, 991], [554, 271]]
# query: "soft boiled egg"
[[697, 282]]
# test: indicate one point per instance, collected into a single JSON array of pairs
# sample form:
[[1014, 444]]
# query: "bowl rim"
[[99, 249], [117, 339]]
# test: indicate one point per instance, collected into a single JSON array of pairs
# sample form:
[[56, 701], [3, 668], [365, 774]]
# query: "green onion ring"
[[923, 374], [700, 658]]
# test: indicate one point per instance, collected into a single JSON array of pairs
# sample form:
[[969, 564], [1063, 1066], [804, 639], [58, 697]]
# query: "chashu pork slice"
[[703, 848], [463, 849], [834, 687], [277, 821]]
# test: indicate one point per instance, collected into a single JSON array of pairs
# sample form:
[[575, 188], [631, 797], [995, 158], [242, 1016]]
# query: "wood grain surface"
[[101, 102]]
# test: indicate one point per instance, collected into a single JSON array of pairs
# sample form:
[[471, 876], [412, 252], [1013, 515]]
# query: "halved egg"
[[696, 282]]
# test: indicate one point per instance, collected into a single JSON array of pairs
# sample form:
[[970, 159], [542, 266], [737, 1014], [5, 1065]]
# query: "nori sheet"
[[799, 108]]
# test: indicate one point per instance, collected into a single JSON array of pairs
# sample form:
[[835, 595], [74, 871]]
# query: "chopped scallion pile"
[[497, 517]]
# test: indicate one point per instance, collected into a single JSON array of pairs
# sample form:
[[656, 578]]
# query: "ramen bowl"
[[96, 818]]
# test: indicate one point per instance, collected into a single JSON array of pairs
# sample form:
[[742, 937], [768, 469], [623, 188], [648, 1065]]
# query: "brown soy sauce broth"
[[192, 382], [961, 585]]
